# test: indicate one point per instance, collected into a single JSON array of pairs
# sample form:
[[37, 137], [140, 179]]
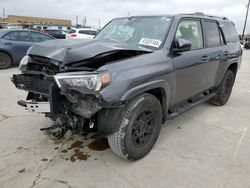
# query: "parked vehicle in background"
[[247, 42], [15, 43], [6, 25], [134, 75], [82, 33], [57, 33]]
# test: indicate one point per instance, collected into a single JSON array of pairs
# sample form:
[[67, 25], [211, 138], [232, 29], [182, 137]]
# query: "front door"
[[190, 68]]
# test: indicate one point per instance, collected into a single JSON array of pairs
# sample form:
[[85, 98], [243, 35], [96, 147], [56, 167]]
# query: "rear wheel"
[[5, 60], [139, 128], [224, 90]]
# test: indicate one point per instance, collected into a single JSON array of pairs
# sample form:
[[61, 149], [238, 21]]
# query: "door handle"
[[225, 53], [7, 43], [217, 57], [205, 58]]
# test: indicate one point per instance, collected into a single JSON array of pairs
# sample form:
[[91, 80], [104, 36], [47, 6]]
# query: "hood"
[[68, 51]]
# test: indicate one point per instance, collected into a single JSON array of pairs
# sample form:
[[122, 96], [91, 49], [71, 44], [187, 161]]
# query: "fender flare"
[[146, 87], [225, 70]]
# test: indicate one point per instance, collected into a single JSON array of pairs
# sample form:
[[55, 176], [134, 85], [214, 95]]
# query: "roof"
[[193, 15]]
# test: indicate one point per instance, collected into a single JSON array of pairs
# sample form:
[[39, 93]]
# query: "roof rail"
[[199, 14], [211, 16]]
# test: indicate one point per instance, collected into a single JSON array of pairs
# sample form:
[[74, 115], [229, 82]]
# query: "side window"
[[7, 36], [191, 30], [18, 36], [86, 32], [230, 32], [212, 34], [38, 37]]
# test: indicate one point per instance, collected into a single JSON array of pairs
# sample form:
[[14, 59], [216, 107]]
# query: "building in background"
[[38, 23]]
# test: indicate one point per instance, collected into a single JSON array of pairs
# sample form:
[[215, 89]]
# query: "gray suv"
[[137, 73]]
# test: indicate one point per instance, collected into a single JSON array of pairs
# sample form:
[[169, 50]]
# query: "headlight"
[[23, 63], [81, 79]]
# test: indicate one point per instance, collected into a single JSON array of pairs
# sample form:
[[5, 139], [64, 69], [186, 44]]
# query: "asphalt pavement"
[[207, 147]]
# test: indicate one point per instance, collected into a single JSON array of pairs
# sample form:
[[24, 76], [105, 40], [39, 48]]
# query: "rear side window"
[[72, 31], [18, 36], [230, 32], [39, 37], [212, 34], [86, 32]]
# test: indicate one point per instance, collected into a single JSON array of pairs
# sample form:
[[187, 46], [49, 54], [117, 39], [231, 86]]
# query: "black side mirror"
[[181, 45]]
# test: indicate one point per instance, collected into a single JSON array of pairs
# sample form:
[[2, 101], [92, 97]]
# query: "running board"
[[189, 106]]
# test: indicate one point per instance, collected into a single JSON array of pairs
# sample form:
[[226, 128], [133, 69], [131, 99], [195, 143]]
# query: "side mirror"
[[181, 45]]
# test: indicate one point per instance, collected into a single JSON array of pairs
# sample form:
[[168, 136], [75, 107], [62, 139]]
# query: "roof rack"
[[211, 16]]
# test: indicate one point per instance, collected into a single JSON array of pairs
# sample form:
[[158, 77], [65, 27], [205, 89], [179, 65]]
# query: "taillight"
[[73, 35]]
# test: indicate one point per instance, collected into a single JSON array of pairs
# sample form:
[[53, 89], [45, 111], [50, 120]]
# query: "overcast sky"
[[106, 10]]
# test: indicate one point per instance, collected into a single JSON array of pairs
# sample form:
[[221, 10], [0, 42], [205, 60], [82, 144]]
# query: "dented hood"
[[69, 51]]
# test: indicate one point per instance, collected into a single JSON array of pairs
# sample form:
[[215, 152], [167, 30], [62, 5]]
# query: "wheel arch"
[[233, 67], [159, 88]]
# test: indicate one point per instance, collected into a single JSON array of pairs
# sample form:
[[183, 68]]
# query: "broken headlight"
[[23, 63], [82, 79]]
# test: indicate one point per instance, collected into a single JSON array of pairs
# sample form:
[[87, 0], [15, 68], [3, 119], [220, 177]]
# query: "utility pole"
[[3, 14], [85, 21], [99, 22], [76, 20], [243, 33]]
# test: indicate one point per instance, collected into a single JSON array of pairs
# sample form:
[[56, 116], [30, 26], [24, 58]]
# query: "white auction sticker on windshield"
[[150, 42]]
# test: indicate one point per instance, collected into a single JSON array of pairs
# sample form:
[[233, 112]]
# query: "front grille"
[[43, 65], [28, 83]]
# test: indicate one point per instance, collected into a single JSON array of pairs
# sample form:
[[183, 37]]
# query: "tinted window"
[[86, 32], [39, 37], [230, 32], [212, 34], [72, 31], [191, 31], [58, 32], [18, 36]]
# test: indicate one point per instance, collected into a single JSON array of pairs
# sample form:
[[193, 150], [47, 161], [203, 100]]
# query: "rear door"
[[18, 42], [190, 68], [214, 46]]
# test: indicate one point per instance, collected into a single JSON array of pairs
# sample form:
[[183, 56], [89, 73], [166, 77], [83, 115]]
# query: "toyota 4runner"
[[137, 73]]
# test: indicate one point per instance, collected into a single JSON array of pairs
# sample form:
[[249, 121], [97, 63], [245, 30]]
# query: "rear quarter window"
[[72, 31], [230, 32]]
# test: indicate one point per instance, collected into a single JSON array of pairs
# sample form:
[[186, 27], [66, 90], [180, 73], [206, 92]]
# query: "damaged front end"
[[71, 99], [63, 81]]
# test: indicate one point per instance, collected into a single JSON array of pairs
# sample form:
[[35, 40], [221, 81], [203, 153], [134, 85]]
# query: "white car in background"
[[82, 34]]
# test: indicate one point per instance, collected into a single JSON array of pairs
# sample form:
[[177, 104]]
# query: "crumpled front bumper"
[[57, 100]]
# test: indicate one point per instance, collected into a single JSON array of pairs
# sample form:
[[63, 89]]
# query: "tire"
[[224, 90], [5, 60], [139, 128]]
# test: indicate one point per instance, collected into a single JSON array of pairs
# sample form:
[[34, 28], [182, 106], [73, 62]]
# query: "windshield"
[[146, 32]]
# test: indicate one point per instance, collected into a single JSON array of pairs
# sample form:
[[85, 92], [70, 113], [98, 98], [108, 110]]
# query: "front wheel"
[[224, 90], [139, 128], [5, 60]]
